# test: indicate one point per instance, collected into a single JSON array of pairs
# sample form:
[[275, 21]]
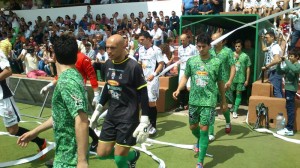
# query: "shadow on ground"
[[219, 155], [168, 125], [237, 132]]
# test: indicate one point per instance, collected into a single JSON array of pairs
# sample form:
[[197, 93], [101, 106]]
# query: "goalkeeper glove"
[[141, 133], [46, 88], [94, 119], [96, 98]]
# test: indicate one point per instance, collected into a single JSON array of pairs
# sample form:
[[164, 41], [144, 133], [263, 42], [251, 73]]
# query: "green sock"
[[238, 101], [203, 145], [131, 155], [211, 128], [110, 156], [196, 132], [121, 161], [226, 114]]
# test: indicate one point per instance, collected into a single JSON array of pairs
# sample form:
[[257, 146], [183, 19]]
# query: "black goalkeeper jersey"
[[123, 80]]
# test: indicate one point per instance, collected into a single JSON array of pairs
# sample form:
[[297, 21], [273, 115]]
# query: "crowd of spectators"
[[29, 48]]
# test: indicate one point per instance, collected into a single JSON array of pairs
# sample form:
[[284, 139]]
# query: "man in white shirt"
[[273, 57], [185, 51], [156, 34], [149, 56]]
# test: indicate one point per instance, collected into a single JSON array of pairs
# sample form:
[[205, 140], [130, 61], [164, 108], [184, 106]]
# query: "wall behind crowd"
[[108, 9]]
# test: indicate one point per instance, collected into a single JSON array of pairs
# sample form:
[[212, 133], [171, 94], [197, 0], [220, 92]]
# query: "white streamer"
[[175, 145], [251, 23], [168, 68], [264, 130], [28, 159]]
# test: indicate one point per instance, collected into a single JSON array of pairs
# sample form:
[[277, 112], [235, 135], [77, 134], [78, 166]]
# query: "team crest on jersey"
[[113, 83], [113, 74]]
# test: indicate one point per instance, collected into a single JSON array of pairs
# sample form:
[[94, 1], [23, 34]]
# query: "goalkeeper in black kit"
[[125, 87]]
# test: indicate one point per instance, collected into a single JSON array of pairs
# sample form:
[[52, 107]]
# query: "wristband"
[[50, 85], [96, 93], [154, 74]]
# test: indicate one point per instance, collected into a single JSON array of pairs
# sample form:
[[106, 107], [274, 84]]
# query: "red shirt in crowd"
[[85, 68]]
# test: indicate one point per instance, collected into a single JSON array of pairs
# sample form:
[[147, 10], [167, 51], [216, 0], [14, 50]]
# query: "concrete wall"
[[109, 9]]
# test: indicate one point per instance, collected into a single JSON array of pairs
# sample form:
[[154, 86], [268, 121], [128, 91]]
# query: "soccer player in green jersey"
[[228, 71], [291, 71], [242, 75], [204, 71], [69, 106]]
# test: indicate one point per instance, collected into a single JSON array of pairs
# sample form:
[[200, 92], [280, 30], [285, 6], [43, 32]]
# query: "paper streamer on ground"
[[28, 159], [144, 149], [264, 130], [251, 23], [174, 145]]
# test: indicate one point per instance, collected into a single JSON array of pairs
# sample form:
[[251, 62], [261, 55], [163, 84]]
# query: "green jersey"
[[226, 57], [68, 98], [291, 72], [241, 64], [203, 74]]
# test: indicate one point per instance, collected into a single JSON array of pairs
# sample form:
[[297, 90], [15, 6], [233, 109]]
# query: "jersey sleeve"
[[220, 75], [4, 63], [73, 97], [248, 61], [139, 78], [276, 50], [159, 57], [90, 72], [187, 71], [230, 58]]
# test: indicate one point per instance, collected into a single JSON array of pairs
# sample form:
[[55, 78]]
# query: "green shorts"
[[238, 86], [201, 114]]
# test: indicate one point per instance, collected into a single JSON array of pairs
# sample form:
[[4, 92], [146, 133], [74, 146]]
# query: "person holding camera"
[[31, 60], [273, 54]]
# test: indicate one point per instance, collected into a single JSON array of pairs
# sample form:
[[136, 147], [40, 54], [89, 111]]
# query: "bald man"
[[225, 54], [185, 51], [125, 87]]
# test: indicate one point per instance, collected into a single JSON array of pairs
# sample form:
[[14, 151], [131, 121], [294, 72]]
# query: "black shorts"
[[121, 133]]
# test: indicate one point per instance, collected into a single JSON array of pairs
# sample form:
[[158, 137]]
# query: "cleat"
[[49, 163], [42, 148], [199, 165], [196, 148], [211, 138], [180, 108], [234, 115], [132, 164], [152, 131], [227, 128]]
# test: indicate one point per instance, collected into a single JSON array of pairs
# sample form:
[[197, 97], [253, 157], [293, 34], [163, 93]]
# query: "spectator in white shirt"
[[156, 34], [89, 51]]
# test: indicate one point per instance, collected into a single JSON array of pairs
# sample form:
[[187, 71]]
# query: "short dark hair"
[[145, 34], [204, 38], [238, 41], [271, 33], [65, 49], [295, 52]]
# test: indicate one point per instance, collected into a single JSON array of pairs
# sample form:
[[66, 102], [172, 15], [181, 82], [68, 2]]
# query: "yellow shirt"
[[6, 47]]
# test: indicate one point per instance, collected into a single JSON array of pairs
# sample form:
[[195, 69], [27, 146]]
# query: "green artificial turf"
[[242, 148]]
